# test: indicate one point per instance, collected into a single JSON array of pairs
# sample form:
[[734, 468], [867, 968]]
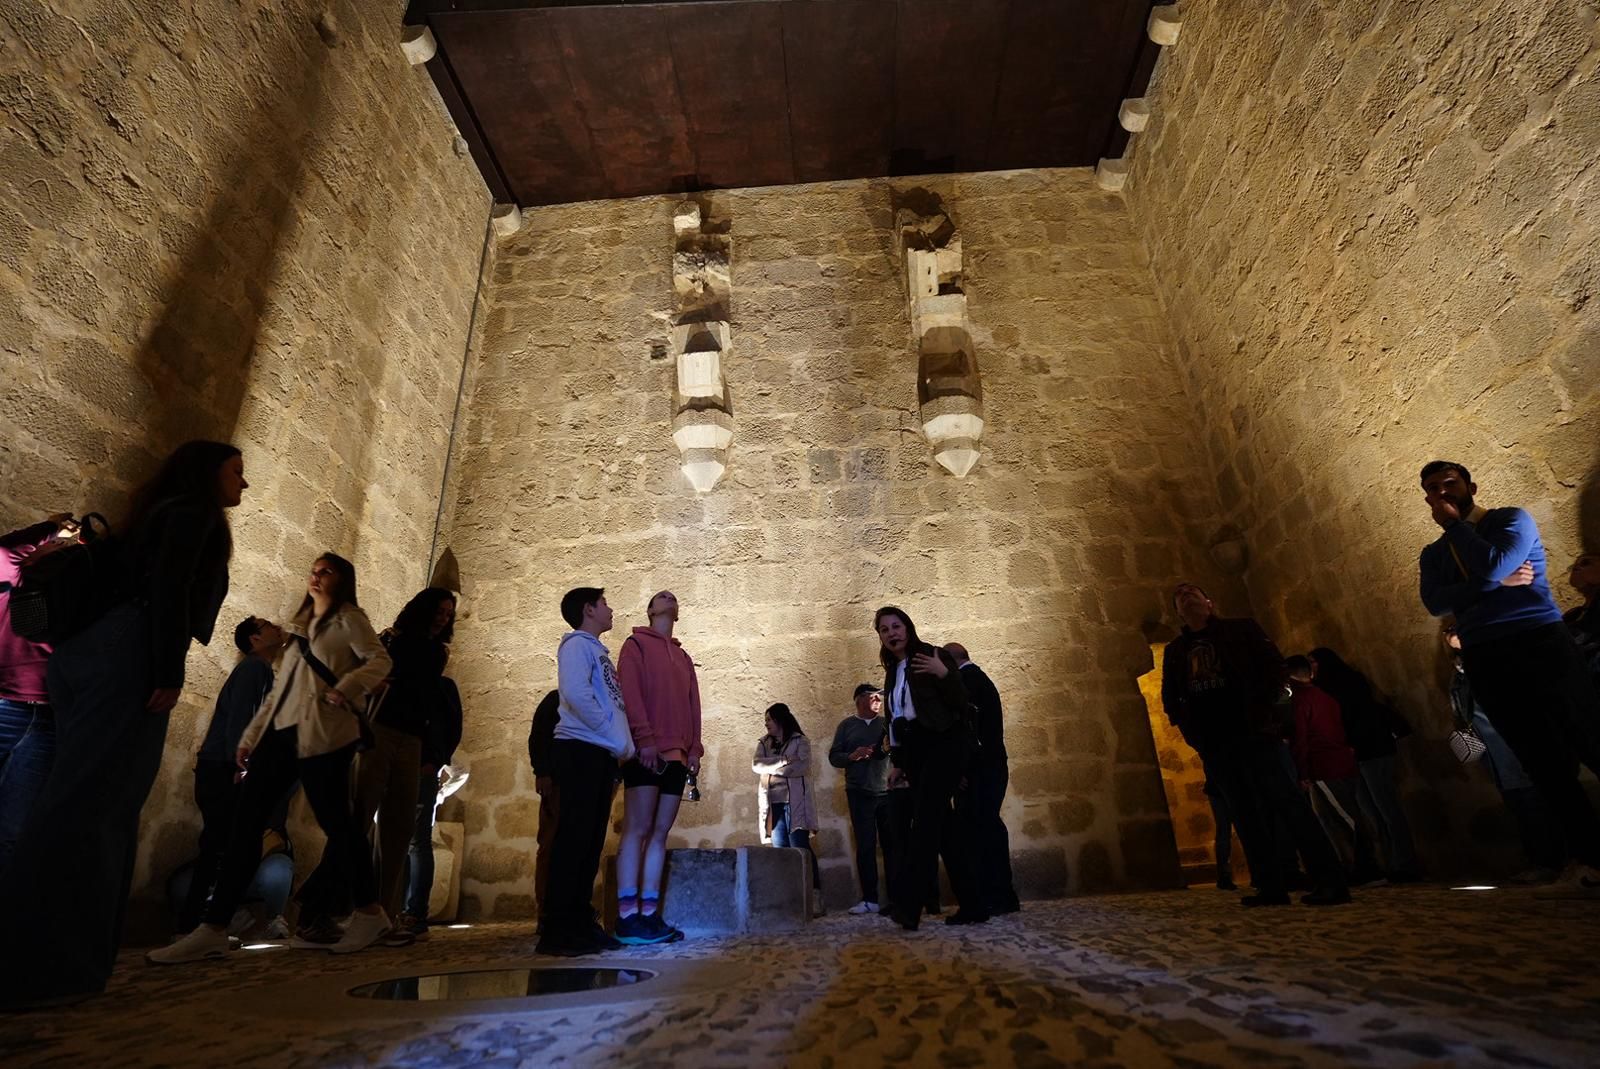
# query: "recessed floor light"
[[1476, 887], [458, 926], [262, 946]]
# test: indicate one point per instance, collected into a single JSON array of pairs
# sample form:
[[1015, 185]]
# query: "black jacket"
[[415, 693], [1222, 682], [543, 733], [175, 562], [443, 732], [941, 703], [989, 719]]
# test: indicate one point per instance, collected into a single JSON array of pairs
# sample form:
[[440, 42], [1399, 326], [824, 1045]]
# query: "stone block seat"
[[725, 891]]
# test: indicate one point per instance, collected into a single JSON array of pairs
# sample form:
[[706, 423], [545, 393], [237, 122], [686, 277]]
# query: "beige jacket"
[[345, 643], [793, 763]]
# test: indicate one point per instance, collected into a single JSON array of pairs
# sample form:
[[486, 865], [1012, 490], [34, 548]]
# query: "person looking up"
[[1221, 681], [307, 728], [1487, 569], [662, 699], [113, 686]]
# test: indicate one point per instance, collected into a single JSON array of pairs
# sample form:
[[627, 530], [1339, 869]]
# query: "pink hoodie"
[[660, 693]]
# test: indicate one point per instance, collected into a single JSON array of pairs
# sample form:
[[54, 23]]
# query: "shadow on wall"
[[198, 353]]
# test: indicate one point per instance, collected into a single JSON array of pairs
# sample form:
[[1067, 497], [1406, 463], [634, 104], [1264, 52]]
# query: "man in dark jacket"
[[986, 786], [1220, 682], [860, 749]]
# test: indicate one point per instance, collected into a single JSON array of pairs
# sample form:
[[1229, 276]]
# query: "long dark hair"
[[343, 594], [417, 617], [188, 474], [913, 643], [786, 722], [1336, 676]]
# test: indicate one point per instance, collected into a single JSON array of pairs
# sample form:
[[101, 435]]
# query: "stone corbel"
[[949, 390], [702, 340]]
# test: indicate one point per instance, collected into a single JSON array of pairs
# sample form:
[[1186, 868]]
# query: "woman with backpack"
[[113, 685], [309, 728]]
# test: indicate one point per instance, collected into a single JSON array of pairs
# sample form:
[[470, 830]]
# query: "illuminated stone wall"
[[1376, 230], [244, 221], [1049, 560]]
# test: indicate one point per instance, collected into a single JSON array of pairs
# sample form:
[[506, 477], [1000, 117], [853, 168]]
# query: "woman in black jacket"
[[932, 744], [112, 687]]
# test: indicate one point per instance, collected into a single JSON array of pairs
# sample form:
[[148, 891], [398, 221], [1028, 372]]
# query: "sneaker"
[[636, 929], [1578, 882], [1227, 884], [1256, 901], [277, 929], [318, 934], [1326, 896], [593, 941], [204, 942], [861, 908], [364, 930], [906, 919], [668, 932], [412, 925]]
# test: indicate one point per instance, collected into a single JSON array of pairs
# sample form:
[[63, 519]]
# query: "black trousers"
[[215, 794], [346, 858], [980, 805], [1250, 773], [585, 776], [935, 763], [870, 823], [1538, 694]]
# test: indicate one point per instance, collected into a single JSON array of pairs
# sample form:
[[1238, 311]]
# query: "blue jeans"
[[270, 886], [27, 749], [68, 883], [800, 837], [419, 879], [1380, 800]]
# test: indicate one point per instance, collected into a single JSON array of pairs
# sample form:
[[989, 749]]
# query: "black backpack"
[[63, 589]]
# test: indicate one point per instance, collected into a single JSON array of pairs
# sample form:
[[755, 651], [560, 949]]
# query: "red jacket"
[[1320, 751], [660, 693]]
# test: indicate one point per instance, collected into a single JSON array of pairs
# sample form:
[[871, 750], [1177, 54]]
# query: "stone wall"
[[242, 221], [1375, 229], [1049, 561]]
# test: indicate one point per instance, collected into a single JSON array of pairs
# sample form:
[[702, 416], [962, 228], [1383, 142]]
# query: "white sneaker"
[[1579, 881], [204, 942], [363, 930], [861, 908], [277, 929]]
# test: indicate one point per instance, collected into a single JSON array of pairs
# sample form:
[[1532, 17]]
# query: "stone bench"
[[720, 892]]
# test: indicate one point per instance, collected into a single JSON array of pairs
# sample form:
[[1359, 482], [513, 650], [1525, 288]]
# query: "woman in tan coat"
[[788, 812], [307, 728]]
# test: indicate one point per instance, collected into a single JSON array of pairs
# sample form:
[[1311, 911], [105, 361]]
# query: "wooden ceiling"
[[569, 100]]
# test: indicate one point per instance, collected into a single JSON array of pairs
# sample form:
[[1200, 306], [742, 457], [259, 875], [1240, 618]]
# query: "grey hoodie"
[[591, 702]]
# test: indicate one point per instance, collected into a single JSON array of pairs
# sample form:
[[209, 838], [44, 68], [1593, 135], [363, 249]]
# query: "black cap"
[[865, 688]]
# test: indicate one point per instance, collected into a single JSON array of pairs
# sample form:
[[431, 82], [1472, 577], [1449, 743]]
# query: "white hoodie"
[[591, 701]]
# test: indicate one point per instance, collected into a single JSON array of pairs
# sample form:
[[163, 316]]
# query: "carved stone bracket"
[[702, 340], [949, 389]]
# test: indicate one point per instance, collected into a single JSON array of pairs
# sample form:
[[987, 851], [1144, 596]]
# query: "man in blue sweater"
[[1488, 570]]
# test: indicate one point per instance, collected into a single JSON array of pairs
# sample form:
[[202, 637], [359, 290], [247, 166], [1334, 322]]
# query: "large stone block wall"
[[1375, 227], [1049, 561], [243, 221]]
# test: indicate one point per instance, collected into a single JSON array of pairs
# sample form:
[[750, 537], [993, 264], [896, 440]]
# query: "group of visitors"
[[925, 781], [363, 724], [320, 703], [1300, 754]]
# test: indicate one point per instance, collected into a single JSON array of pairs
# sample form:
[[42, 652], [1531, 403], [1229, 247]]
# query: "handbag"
[[1466, 745], [363, 716]]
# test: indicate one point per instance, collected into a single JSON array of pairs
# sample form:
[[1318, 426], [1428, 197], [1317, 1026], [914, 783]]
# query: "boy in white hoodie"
[[591, 736]]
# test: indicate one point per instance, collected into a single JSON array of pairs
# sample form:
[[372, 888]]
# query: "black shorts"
[[672, 778]]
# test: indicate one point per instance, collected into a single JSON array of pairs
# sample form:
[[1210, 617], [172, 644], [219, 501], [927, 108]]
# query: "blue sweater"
[[1470, 589]]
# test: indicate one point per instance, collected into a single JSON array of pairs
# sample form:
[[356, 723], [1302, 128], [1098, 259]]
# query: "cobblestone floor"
[[1406, 976]]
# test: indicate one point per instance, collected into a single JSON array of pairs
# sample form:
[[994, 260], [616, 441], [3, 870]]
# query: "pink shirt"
[[660, 693], [22, 663]]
